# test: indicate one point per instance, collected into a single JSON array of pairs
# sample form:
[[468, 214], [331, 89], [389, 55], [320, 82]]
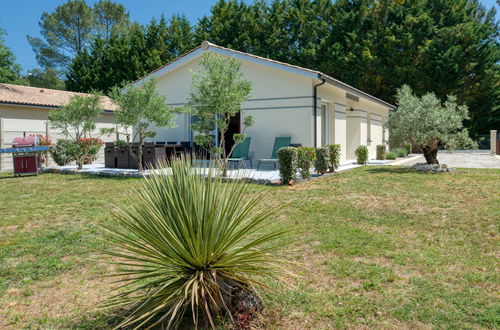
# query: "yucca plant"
[[183, 240]]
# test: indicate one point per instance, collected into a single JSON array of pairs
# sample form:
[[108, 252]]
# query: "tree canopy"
[[71, 27], [440, 46], [427, 123], [10, 71], [141, 110]]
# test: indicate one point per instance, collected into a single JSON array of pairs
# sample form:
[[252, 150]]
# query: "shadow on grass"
[[396, 170], [110, 320]]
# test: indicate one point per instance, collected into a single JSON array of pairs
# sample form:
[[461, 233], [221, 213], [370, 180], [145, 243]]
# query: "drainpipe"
[[315, 109]]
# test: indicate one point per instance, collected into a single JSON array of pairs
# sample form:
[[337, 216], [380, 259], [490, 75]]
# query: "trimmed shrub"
[[408, 148], [64, 152], [391, 155], [305, 160], [381, 151], [322, 162], [287, 160], [401, 152], [361, 155], [334, 155]]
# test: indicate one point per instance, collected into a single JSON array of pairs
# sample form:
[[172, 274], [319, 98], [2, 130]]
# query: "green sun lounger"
[[279, 142], [240, 152]]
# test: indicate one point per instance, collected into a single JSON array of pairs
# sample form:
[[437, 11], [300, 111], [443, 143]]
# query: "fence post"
[[493, 141]]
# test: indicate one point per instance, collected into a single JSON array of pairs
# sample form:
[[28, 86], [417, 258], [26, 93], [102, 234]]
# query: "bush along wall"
[[391, 155], [287, 160], [334, 156], [381, 151], [322, 162], [305, 159], [361, 155]]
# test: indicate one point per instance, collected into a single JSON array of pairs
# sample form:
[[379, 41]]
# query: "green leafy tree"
[[71, 27], [218, 92], [65, 33], [10, 71], [129, 56], [110, 17], [426, 122], [141, 110], [77, 120], [47, 78]]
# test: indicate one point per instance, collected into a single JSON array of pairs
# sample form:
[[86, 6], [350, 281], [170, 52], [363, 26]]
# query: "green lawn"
[[380, 247]]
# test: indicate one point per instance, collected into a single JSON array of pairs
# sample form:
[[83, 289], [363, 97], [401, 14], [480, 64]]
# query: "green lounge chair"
[[240, 152], [279, 142]]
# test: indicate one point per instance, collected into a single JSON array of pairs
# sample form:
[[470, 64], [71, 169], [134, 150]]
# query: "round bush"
[[391, 155], [64, 152], [401, 152]]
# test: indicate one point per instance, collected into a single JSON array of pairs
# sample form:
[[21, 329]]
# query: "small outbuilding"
[[314, 109], [24, 110]]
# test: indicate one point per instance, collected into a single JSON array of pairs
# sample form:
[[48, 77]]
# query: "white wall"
[[281, 105], [19, 120]]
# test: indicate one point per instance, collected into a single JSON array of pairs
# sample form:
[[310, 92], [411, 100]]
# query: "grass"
[[375, 247]]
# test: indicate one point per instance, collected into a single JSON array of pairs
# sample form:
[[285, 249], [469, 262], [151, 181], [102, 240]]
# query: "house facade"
[[24, 110], [286, 100]]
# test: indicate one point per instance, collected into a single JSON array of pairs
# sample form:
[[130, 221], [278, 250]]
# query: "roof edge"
[[355, 91]]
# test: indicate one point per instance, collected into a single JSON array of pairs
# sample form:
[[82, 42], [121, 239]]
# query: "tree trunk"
[[430, 154], [139, 156]]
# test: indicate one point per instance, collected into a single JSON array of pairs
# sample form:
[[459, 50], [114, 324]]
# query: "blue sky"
[[20, 18]]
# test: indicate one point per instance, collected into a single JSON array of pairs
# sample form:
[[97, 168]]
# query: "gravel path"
[[466, 159]]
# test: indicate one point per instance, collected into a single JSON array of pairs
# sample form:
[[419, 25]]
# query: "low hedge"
[[334, 155], [322, 162], [305, 160], [381, 151], [401, 152], [287, 160], [391, 155], [361, 155]]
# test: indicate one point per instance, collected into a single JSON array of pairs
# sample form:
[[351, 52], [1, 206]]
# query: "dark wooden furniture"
[[153, 155]]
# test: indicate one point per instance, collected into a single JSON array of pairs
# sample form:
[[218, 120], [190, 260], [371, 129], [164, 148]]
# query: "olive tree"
[[77, 121], [218, 92], [141, 110], [78, 118], [427, 122]]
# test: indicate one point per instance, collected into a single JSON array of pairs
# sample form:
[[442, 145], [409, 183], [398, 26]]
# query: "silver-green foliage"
[[426, 121], [78, 118], [142, 109], [218, 92], [181, 238]]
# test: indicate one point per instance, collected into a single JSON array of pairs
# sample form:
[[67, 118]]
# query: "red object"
[[25, 164], [27, 141]]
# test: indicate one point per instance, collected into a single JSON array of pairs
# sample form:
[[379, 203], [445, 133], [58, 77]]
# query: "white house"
[[287, 100]]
